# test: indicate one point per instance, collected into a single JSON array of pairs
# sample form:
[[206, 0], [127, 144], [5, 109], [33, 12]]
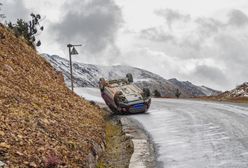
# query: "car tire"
[[113, 109], [102, 84], [129, 77], [147, 92], [116, 98]]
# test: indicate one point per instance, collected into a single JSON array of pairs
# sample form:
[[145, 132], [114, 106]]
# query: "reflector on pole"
[[74, 51]]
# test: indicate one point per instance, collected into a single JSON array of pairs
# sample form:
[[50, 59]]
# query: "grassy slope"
[[41, 120], [119, 147]]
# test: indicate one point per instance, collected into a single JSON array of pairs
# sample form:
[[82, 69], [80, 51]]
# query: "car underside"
[[122, 96]]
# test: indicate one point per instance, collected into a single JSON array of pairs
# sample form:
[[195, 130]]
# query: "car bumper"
[[135, 107]]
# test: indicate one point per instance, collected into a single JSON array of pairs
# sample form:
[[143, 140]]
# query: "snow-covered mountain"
[[194, 90], [87, 75], [239, 92], [209, 92]]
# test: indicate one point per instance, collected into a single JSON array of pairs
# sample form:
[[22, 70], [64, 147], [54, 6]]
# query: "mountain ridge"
[[87, 75], [195, 91], [238, 92]]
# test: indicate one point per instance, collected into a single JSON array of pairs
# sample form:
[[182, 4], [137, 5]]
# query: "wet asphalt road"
[[193, 134], [196, 134]]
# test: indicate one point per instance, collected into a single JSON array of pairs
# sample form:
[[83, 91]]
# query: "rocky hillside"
[[191, 89], [87, 75], [42, 122], [237, 95], [239, 92]]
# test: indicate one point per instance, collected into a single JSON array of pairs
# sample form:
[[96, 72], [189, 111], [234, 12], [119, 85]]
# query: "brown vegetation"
[[42, 123], [119, 147], [225, 99]]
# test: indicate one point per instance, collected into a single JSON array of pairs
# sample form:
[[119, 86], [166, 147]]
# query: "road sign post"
[[72, 51]]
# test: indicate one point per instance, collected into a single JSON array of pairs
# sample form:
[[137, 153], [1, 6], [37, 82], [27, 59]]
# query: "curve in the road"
[[195, 134]]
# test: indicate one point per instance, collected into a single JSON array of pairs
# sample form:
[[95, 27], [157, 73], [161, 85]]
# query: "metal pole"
[[70, 53], [69, 46]]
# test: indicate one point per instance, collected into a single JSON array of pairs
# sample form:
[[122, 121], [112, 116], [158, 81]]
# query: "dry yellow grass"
[[225, 99], [41, 120], [119, 147]]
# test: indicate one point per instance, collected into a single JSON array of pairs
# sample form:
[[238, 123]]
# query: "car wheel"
[[147, 92], [102, 84], [113, 109], [117, 97], [129, 78]]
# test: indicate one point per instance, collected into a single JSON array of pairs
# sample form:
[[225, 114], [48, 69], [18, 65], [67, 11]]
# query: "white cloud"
[[206, 42], [204, 46]]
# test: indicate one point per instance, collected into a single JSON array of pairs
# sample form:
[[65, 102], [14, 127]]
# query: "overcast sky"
[[205, 42]]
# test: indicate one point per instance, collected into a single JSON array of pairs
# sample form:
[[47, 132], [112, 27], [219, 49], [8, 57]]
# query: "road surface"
[[195, 134]]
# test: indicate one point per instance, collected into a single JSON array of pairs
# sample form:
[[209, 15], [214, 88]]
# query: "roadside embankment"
[[127, 145], [144, 153], [43, 124], [240, 100], [119, 147]]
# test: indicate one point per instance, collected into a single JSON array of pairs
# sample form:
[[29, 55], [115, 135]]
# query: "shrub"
[[1, 15], [157, 93], [29, 30], [178, 93], [52, 161]]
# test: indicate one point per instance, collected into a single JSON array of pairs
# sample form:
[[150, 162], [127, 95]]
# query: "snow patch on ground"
[[143, 80], [91, 94], [206, 91]]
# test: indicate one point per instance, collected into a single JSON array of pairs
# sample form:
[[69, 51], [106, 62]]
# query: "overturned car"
[[122, 96]]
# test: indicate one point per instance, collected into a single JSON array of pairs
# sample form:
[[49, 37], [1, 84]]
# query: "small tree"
[[178, 93], [156, 93], [29, 30], [1, 15]]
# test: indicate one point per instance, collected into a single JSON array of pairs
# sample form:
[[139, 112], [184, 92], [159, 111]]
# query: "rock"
[[2, 164], [4, 145], [45, 121], [93, 103], [19, 153], [32, 164], [8, 68], [2, 133], [26, 163], [20, 136]]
